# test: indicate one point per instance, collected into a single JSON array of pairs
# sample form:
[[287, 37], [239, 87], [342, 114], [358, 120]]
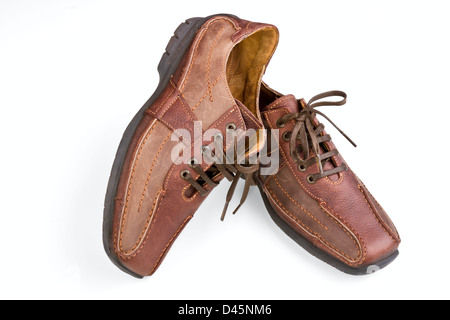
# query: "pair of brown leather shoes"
[[211, 118]]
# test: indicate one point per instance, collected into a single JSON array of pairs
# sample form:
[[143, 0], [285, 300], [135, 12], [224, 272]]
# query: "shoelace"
[[305, 131], [233, 172]]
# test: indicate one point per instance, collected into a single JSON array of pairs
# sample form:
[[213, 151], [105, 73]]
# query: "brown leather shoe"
[[314, 197], [211, 72]]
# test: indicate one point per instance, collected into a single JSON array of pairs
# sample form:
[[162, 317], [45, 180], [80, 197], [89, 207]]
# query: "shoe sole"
[[320, 254], [176, 48]]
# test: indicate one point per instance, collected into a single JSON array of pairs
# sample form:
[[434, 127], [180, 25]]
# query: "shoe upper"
[[314, 190], [216, 84]]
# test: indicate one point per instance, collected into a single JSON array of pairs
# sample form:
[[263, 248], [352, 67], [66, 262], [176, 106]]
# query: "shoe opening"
[[246, 65]]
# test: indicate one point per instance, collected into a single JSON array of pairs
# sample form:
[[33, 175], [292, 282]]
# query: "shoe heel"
[[177, 46]]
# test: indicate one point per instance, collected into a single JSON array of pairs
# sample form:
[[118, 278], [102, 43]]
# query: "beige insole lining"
[[246, 65]]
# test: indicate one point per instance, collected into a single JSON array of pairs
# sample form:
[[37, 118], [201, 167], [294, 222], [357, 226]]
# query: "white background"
[[74, 73]]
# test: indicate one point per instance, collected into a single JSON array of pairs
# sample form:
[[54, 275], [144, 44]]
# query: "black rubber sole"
[[305, 244], [175, 50]]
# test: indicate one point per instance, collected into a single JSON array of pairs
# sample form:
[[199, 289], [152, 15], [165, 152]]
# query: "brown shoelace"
[[233, 172], [307, 133]]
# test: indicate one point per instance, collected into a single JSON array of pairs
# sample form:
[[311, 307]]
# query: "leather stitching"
[[188, 110], [341, 223], [298, 205], [296, 177], [395, 230], [150, 215], [206, 93], [183, 195], [375, 214], [155, 113], [165, 100], [280, 101], [216, 125], [273, 196], [167, 124], [155, 216], [127, 199], [170, 105], [194, 54], [208, 64], [338, 181], [321, 201], [151, 170]]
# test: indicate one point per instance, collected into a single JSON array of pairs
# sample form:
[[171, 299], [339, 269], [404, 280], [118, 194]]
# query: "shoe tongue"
[[288, 101]]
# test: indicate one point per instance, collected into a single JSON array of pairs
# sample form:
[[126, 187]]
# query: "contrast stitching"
[[338, 181], [298, 180], [298, 205], [165, 123], [187, 108], [172, 83], [167, 109], [169, 176], [155, 216], [155, 113], [281, 100], [208, 65], [224, 67], [224, 117], [165, 100], [130, 182], [310, 231], [341, 223], [396, 232], [150, 215], [186, 198], [240, 117], [376, 216], [194, 54], [151, 170], [170, 241], [206, 93]]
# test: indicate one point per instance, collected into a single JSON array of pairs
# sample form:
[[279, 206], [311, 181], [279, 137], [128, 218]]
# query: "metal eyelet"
[[206, 149], [193, 162], [301, 167], [185, 174], [280, 124], [286, 136], [231, 126], [311, 179]]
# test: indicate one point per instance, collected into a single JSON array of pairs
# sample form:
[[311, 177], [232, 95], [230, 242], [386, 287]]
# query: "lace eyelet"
[[280, 124], [286, 136], [206, 149], [231, 126], [193, 162], [302, 168], [185, 174], [311, 179]]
